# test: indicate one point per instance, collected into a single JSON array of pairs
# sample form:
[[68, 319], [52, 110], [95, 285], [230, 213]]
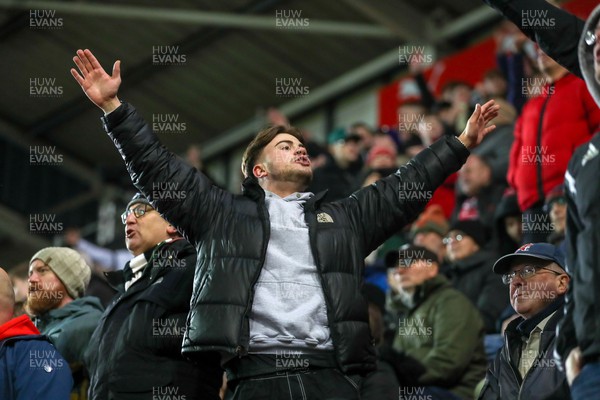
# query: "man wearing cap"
[[135, 352], [438, 343], [470, 271], [30, 367], [525, 367], [58, 278]]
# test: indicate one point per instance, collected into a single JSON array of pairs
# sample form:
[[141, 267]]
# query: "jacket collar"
[[116, 279], [523, 327]]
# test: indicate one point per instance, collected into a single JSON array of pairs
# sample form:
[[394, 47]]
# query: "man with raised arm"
[[279, 271]]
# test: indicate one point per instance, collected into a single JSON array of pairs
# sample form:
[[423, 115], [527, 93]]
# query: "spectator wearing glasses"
[[135, 351], [525, 367], [470, 271]]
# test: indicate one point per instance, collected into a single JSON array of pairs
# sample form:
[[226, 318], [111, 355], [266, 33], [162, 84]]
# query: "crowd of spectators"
[[437, 294]]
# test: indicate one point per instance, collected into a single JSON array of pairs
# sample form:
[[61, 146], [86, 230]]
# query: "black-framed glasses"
[[449, 239], [525, 273], [138, 212]]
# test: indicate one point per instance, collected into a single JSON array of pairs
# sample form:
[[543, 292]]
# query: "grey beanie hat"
[[69, 266]]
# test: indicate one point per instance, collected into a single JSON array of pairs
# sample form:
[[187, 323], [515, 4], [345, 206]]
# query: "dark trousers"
[[317, 384]]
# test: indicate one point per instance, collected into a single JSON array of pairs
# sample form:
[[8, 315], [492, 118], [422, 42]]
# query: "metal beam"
[[198, 17], [407, 24], [479, 16], [15, 227], [72, 167], [364, 73]]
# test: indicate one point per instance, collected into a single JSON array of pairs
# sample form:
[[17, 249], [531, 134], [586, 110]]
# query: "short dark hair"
[[260, 141]]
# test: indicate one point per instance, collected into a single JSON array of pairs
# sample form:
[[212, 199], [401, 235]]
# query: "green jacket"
[[444, 332], [70, 327]]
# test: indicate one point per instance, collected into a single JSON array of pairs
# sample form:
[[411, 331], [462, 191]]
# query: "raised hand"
[[98, 86], [476, 128]]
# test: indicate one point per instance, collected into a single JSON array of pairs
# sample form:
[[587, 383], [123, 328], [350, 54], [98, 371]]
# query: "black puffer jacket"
[[231, 233], [543, 381], [135, 351]]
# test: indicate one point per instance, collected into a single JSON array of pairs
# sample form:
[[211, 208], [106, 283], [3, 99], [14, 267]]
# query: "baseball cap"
[[541, 251]]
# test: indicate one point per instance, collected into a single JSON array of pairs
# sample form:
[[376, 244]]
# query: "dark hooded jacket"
[[231, 234], [566, 43]]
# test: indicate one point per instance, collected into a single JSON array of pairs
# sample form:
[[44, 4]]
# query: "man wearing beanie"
[[470, 271], [437, 349], [525, 367], [58, 278], [135, 351], [429, 231]]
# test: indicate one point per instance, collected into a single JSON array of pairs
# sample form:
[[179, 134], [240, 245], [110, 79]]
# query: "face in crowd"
[[459, 245], [533, 284], [410, 274], [46, 291], [144, 228], [284, 160], [474, 176]]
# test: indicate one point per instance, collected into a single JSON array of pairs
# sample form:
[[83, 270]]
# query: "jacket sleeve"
[[560, 42], [383, 208], [456, 333], [162, 176]]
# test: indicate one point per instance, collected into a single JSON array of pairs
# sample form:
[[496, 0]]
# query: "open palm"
[[477, 128], [98, 86]]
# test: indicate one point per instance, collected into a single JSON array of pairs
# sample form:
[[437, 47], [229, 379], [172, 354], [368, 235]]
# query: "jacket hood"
[[586, 56], [20, 326]]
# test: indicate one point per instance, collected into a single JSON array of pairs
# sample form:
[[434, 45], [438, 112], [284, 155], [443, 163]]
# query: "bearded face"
[[46, 291]]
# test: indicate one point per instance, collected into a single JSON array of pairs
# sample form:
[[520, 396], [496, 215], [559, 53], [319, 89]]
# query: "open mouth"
[[129, 233], [303, 161]]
